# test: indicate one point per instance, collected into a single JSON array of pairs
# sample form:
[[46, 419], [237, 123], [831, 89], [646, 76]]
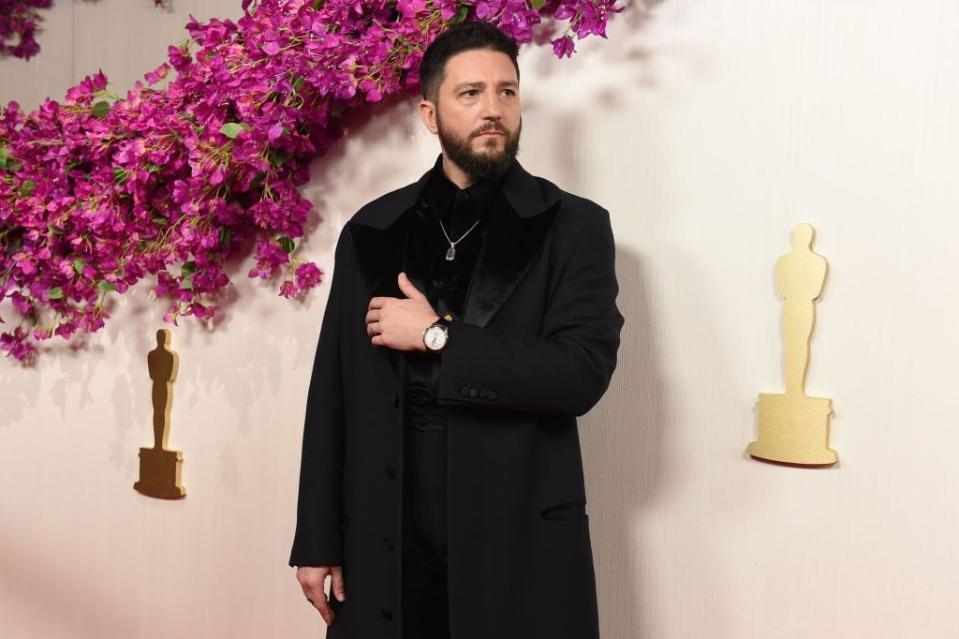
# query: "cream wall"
[[709, 130]]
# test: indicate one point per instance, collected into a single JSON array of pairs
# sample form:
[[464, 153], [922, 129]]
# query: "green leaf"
[[278, 156], [232, 129], [55, 293], [52, 230], [105, 286], [78, 265], [460, 14], [187, 282], [296, 81], [4, 157], [225, 234], [287, 244], [537, 4], [27, 188], [120, 176], [101, 109], [188, 268]]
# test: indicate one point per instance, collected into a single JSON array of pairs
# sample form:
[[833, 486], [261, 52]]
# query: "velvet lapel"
[[511, 246], [379, 255], [515, 235]]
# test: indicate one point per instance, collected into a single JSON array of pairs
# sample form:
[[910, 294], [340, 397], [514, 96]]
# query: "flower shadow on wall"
[[20, 22]]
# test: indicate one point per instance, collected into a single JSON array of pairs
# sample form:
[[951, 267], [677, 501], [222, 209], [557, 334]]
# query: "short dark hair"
[[464, 36]]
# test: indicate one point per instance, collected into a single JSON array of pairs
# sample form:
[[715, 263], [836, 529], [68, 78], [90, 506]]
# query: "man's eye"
[[470, 92], [509, 92]]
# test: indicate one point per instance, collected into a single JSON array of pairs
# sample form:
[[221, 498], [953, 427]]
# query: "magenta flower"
[[308, 275], [19, 22], [563, 46]]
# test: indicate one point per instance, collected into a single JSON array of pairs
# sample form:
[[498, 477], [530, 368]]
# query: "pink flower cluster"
[[18, 26], [204, 159], [19, 22]]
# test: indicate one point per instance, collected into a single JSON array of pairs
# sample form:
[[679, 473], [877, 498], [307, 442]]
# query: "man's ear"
[[428, 115]]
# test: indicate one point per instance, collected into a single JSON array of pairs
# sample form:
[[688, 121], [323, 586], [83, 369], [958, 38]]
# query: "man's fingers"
[[312, 580], [321, 604], [315, 593], [407, 287], [338, 588]]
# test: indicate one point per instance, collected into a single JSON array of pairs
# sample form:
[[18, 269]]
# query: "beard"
[[480, 165]]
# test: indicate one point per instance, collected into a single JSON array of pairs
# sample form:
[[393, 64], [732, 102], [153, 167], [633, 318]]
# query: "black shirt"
[[444, 282]]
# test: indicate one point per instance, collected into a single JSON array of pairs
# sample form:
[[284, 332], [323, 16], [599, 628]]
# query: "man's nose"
[[491, 106]]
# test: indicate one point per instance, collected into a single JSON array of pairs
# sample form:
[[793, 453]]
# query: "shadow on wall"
[[626, 440], [623, 455]]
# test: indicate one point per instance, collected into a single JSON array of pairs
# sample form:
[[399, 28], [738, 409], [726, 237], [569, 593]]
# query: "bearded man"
[[472, 318]]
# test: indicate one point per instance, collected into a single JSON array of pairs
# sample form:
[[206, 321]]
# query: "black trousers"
[[425, 596]]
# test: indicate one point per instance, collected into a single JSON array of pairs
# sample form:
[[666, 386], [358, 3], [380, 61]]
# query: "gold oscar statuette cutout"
[[160, 469], [793, 427]]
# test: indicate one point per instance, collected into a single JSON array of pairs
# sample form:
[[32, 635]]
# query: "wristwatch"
[[435, 337]]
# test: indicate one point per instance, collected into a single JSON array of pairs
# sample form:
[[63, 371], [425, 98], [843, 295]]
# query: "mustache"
[[496, 128]]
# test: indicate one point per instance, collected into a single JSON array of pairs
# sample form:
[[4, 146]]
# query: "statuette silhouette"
[[160, 469], [794, 427]]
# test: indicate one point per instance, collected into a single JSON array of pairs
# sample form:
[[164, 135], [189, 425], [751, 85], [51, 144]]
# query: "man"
[[472, 317]]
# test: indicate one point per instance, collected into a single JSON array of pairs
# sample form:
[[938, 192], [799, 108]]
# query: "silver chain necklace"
[[451, 251]]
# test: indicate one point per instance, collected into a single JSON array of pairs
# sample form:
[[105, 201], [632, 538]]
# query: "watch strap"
[[443, 321]]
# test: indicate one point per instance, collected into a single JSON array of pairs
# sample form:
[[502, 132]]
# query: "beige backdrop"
[[709, 130]]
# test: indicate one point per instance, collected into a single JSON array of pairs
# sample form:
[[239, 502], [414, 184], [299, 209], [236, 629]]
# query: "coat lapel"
[[379, 255], [513, 240], [511, 246]]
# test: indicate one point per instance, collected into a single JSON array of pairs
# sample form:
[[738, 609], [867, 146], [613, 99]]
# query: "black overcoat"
[[535, 349]]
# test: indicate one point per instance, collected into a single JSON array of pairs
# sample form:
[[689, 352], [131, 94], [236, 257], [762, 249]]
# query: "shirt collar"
[[526, 195], [443, 192]]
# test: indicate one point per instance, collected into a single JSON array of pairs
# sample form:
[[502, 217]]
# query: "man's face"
[[477, 115]]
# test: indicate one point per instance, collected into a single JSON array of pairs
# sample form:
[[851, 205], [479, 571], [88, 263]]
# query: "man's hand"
[[312, 580], [399, 323]]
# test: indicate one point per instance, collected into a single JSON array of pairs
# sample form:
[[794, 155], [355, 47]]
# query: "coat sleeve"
[[317, 540], [566, 370]]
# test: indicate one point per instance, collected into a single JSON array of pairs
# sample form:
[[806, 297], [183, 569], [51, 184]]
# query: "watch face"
[[435, 337]]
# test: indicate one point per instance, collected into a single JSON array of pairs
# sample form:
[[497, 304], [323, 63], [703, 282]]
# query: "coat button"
[[386, 614], [391, 472], [472, 392], [491, 394], [388, 543], [464, 390]]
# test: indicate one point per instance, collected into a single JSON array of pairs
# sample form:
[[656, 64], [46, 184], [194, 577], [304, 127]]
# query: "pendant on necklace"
[[450, 253]]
